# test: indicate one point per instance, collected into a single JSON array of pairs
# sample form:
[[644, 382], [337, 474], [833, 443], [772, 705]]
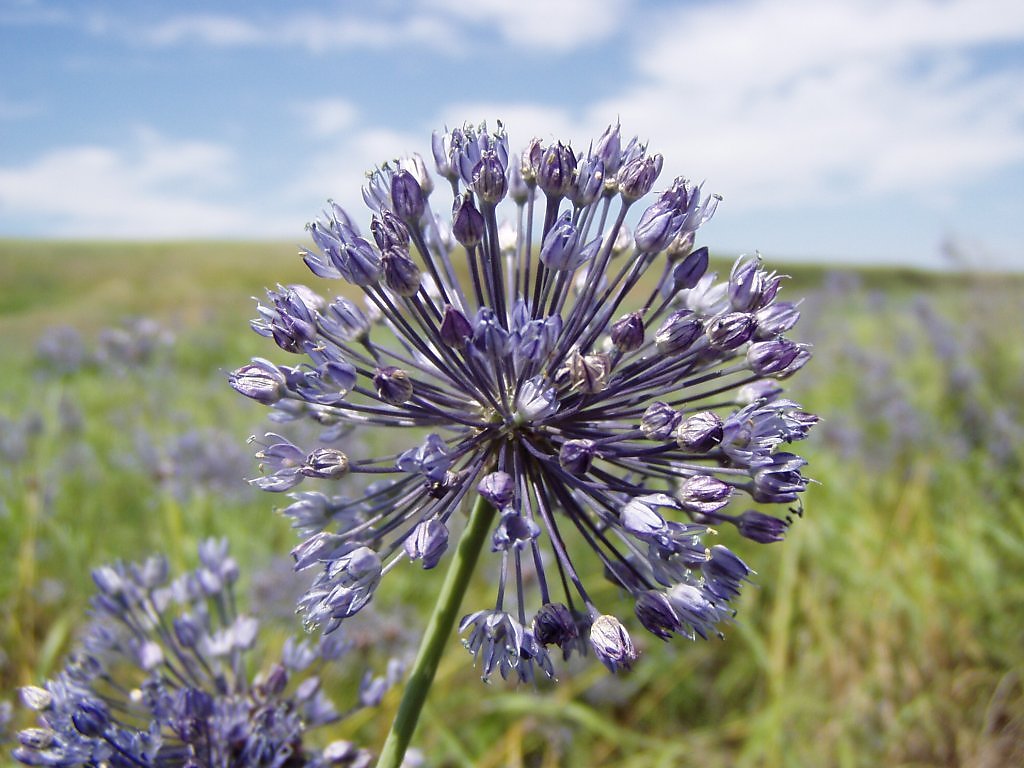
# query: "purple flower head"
[[529, 353], [160, 679]]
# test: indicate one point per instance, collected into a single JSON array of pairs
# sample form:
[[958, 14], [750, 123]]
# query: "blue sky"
[[883, 132]]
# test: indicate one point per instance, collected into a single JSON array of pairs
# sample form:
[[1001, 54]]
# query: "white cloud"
[[217, 30], [326, 117], [315, 33], [786, 102], [155, 188], [557, 26]]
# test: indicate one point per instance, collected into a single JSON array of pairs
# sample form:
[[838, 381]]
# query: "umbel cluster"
[[587, 383]]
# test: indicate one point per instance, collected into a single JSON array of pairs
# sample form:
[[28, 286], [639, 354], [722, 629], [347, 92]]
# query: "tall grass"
[[887, 630]]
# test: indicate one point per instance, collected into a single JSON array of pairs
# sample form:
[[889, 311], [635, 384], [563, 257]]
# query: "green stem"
[[439, 629]]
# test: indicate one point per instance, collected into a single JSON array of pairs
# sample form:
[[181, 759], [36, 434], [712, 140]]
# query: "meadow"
[[887, 630]]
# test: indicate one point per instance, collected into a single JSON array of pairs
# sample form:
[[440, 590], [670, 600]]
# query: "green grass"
[[887, 630]]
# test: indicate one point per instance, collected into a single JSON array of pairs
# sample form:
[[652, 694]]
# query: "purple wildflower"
[[543, 373], [161, 679]]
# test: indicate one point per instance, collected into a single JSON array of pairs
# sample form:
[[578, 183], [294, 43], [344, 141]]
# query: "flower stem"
[[439, 629]]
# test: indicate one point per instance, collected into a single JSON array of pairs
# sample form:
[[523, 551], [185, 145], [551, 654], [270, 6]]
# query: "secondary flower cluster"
[[162, 679], [578, 378]]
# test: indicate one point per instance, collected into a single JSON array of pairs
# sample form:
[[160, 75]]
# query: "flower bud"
[[612, 644], [762, 528], [407, 197], [401, 274], [700, 432], [261, 380], [467, 222], [557, 170], [328, 463], [628, 332], [659, 421], [575, 456], [554, 625], [489, 180], [656, 228], [498, 488], [678, 333], [455, 330], [655, 612], [731, 330], [393, 385], [703, 494], [427, 542], [608, 149], [90, 719], [637, 176], [776, 319], [514, 531]]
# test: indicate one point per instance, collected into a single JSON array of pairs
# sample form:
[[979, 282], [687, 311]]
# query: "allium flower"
[[162, 678], [586, 383]]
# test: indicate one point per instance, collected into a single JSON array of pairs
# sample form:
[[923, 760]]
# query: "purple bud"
[[554, 625], [407, 197], [261, 380], [90, 718], [393, 385], [656, 228], [328, 463], [767, 358], [659, 421], [401, 274], [514, 531], [575, 456], [690, 270], [700, 432], [703, 494], [762, 528], [655, 612], [34, 739], [724, 572], [776, 319], [557, 169], [456, 330], [467, 221], [746, 284], [678, 333], [609, 149], [389, 231], [637, 176], [489, 180], [427, 542], [589, 182], [731, 330], [628, 332], [612, 644], [36, 698], [357, 262], [560, 245], [498, 488], [779, 482]]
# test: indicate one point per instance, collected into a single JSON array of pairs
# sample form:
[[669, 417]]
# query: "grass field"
[[887, 630]]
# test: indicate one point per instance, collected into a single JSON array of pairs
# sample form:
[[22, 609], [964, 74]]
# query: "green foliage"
[[886, 630]]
